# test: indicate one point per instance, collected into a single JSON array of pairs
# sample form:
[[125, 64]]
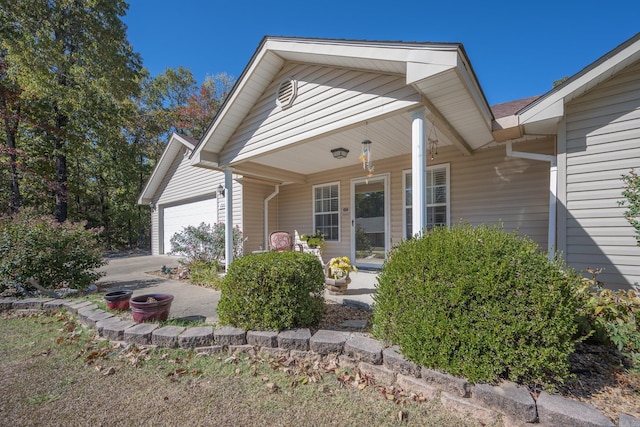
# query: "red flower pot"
[[150, 307], [118, 300]]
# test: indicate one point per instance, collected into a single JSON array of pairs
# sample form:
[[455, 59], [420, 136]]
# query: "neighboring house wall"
[[328, 98], [602, 134], [486, 187], [185, 183]]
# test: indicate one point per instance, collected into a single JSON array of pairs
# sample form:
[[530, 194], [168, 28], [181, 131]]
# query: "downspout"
[[266, 216], [553, 189]]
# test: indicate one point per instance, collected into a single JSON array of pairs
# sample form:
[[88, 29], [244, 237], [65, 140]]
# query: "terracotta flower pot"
[[118, 300], [151, 307]]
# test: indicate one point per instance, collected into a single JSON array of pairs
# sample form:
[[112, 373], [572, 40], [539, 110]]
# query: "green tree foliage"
[[82, 124], [631, 193], [480, 303], [72, 61]]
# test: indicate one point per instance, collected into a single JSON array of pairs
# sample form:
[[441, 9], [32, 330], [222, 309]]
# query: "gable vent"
[[287, 92]]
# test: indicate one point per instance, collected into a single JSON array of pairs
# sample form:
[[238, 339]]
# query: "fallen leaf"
[[402, 416], [272, 387]]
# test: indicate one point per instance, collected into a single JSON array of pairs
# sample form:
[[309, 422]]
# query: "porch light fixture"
[[339, 153], [220, 190]]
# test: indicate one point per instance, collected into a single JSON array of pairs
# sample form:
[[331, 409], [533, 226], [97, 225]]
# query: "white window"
[[438, 203], [326, 210]]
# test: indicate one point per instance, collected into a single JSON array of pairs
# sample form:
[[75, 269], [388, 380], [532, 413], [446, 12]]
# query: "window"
[[326, 210], [437, 198]]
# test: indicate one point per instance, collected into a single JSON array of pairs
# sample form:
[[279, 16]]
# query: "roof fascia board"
[[157, 175], [624, 54], [249, 70]]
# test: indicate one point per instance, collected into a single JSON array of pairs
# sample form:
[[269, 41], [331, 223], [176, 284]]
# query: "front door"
[[370, 221]]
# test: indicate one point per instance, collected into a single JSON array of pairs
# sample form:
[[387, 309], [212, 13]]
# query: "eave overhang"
[[175, 144], [440, 73]]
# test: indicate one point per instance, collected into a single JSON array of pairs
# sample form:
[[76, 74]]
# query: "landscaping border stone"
[[482, 402]]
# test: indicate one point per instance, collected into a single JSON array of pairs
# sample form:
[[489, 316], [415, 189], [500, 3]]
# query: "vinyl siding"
[[486, 187], [254, 195], [184, 183], [328, 99], [603, 143]]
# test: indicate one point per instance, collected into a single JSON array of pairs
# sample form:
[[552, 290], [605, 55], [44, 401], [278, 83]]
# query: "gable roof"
[[176, 142], [428, 67], [542, 115]]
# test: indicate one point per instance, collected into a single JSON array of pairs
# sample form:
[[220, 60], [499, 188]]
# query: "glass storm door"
[[370, 221]]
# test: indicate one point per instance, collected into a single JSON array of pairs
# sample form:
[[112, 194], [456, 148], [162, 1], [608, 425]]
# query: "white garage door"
[[195, 213]]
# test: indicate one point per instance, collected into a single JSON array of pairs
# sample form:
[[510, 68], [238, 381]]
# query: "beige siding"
[[486, 187], [254, 195], [328, 98], [184, 183], [603, 142]]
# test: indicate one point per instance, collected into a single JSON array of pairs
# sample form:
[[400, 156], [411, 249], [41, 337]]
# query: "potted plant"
[[150, 307], [338, 270], [118, 300], [314, 240]]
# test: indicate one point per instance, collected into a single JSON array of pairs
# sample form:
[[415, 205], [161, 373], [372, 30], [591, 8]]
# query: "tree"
[[10, 114], [196, 115], [72, 61]]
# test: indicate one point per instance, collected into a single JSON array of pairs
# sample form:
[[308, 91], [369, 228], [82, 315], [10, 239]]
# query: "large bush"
[[273, 291], [54, 254], [205, 242], [480, 303]]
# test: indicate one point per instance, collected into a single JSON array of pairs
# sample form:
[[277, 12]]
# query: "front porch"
[[315, 129]]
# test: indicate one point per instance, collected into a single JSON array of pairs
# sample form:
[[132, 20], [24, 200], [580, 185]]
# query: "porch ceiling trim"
[[256, 170], [542, 115]]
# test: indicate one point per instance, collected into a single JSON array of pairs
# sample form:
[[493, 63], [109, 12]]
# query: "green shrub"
[[481, 303], [610, 317], [55, 255], [205, 242], [273, 291], [205, 274]]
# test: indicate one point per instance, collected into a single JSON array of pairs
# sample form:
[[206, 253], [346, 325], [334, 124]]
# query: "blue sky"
[[517, 48]]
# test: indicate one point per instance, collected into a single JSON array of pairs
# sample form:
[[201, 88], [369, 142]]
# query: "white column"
[[418, 171], [228, 223]]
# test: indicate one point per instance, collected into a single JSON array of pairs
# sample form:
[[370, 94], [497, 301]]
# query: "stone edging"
[[482, 402]]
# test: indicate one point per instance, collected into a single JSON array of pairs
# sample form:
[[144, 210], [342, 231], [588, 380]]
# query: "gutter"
[[266, 216], [553, 189]]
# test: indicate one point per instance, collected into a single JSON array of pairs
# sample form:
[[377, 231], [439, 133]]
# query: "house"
[[180, 195], [315, 129]]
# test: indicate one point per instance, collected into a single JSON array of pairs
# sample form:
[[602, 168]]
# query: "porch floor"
[[360, 291]]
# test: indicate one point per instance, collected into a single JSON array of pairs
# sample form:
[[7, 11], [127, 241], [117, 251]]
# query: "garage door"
[[195, 213]]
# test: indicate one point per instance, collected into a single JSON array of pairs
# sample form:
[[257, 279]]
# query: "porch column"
[[228, 223], [418, 171]]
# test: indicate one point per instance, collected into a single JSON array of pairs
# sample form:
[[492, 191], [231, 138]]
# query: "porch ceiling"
[[390, 137]]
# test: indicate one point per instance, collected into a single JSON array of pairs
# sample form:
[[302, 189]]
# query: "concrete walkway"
[[130, 272], [188, 300]]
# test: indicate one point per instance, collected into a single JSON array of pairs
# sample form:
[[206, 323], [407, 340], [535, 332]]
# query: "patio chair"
[[280, 241], [302, 246]]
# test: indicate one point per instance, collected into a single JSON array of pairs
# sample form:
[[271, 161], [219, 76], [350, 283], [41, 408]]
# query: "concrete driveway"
[[129, 272]]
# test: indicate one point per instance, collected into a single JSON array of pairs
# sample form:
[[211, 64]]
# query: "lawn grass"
[[56, 372]]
